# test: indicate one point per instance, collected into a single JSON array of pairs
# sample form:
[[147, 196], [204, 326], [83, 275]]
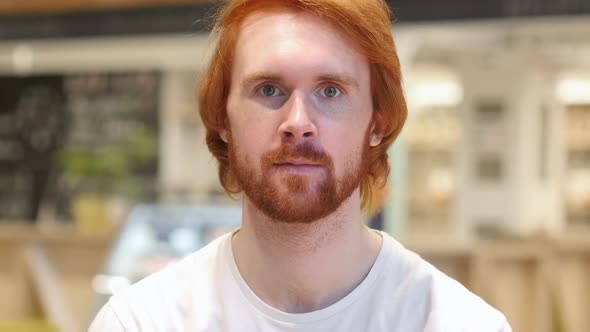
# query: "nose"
[[297, 125]]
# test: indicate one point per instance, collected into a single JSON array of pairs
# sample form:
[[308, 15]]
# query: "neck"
[[297, 267]]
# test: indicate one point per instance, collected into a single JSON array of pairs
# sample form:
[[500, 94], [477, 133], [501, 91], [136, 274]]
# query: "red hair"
[[365, 22]]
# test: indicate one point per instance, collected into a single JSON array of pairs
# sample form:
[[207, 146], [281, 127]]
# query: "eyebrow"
[[339, 78], [343, 79], [260, 76]]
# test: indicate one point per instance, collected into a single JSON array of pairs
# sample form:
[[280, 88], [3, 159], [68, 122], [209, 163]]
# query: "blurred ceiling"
[[59, 19], [29, 7], [415, 10]]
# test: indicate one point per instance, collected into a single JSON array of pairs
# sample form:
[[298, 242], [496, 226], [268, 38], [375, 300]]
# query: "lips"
[[298, 166], [297, 163], [304, 158]]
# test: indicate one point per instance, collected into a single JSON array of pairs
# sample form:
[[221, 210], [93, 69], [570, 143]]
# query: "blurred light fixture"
[[440, 185], [108, 285], [574, 90], [433, 85], [578, 194], [435, 93], [184, 240], [23, 58]]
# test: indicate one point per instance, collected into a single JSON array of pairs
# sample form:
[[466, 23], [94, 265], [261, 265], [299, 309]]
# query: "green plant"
[[110, 168]]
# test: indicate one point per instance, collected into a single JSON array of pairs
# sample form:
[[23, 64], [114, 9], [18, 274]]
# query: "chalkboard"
[[33, 119], [49, 125], [111, 146]]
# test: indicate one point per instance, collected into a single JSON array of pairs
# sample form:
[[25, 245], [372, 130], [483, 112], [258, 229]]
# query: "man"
[[301, 101]]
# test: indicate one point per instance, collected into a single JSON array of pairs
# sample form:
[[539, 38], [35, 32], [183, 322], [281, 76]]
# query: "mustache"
[[304, 151]]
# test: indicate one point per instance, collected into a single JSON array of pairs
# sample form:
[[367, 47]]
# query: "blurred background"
[[105, 177]]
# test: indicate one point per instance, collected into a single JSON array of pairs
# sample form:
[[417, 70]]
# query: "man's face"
[[299, 111]]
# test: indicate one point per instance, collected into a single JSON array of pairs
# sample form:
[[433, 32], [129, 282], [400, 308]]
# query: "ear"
[[223, 135], [375, 139], [375, 136]]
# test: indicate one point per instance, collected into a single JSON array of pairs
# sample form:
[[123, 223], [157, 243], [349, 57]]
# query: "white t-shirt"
[[205, 292]]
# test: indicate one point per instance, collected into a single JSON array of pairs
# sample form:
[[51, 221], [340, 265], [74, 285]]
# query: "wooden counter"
[[72, 257]]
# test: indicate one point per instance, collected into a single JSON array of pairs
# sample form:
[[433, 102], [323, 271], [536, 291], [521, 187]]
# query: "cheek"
[[250, 137], [246, 142], [345, 149], [249, 115], [251, 129]]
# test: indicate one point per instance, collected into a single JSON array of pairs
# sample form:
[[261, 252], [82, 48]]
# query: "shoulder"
[[443, 302], [454, 306], [107, 320], [164, 296]]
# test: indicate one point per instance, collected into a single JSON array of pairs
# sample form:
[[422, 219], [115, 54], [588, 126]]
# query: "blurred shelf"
[[27, 326], [56, 234]]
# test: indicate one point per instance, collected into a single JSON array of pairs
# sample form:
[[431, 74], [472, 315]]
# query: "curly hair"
[[366, 22]]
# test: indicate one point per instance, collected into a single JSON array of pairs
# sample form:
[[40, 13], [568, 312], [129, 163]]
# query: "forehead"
[[274, 39]]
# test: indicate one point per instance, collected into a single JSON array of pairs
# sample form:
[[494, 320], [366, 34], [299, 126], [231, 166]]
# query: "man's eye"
[[269, 90], [330, 92]]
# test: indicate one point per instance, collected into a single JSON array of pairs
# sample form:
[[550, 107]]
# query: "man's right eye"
[[269, 90]]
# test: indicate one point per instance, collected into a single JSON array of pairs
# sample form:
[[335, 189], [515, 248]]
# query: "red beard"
[[304, 198]]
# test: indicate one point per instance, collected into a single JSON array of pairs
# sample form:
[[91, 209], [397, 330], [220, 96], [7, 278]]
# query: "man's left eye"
[[330, 92]]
